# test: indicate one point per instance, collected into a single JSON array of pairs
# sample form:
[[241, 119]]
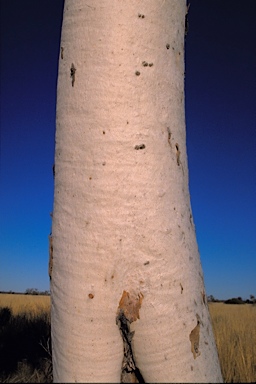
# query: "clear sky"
[[220, 88]]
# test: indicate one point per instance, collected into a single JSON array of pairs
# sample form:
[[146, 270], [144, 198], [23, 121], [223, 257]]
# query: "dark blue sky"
[[220, 88]]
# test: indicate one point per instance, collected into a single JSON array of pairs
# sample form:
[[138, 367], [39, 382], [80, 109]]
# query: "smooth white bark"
[[122, 219]]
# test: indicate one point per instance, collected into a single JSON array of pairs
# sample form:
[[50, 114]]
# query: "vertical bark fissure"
[[130, 373], [128, 311], [73, 74]]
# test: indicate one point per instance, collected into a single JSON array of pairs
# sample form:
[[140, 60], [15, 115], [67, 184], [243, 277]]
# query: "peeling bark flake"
[[130, 306]]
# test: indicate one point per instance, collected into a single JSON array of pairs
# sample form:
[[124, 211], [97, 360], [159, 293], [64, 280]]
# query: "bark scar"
[[73, 74], [169, 136], [140, 146], [177, 153], [128, 311]]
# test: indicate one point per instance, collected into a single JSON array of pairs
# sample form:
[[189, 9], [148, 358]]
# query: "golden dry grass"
[[32, 304], [234, 327]]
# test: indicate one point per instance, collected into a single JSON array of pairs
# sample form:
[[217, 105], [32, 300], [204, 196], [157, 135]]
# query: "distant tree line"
[[29, 291], [234, 300], [34, 291]]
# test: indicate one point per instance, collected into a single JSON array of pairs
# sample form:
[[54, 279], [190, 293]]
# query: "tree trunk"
[[128, 297]]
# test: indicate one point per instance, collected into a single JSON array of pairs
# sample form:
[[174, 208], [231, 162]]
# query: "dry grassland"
[[234, 329], [29, 304]]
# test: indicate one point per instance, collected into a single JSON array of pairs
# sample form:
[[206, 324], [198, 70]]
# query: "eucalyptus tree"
[[127, 288]]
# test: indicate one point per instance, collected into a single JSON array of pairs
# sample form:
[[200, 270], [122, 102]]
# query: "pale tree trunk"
[[125, 257]]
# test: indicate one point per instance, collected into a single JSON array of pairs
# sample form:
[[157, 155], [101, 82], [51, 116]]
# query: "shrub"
[[237, 300], [5, 316]]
